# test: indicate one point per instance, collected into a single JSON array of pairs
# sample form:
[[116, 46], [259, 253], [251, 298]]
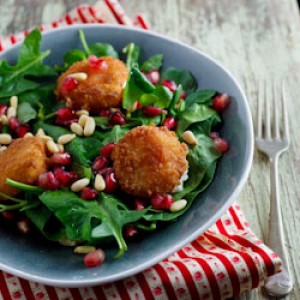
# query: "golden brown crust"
[[149, 160], [24, 160], [102, 89]]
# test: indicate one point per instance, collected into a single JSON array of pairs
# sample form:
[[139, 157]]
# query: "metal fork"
[[273, 139]]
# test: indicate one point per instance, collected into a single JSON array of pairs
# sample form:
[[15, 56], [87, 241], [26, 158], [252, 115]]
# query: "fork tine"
[[276, 106], [261, 96], [284, 108], [267, 124]]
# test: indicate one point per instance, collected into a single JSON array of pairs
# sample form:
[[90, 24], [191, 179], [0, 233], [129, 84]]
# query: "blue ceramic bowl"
[[52, 264]]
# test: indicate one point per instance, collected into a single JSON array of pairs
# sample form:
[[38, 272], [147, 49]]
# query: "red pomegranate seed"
[[170, 123], [23, 226], [61, 158], [106, 150], [220, 102], [8, 215], [97, 64], [68, 85], [94, 258], [116, 119], [48, 181], [221, 144], [152, 111], [3, 109], [130, 232], [111, 183], [153, 76], [138, 105], [65, 178], [161, 202], [106, 171], [213, 135], [22, 130], [104, 112], [64, 115], [100, 163], [139, 204], [170, 84], [183, 95], [88, 193], [13, 123]]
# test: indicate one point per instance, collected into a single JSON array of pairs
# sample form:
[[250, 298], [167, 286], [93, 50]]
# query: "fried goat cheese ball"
[[149, 160], [102, 88], [24, 160]]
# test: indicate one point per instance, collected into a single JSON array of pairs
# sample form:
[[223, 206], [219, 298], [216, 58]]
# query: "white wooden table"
[[254, 39]]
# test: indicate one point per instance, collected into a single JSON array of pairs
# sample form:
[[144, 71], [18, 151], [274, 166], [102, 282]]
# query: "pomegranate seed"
[[161, 202], [97, 64], [152, 111], [116, 119], [23, 226], [61, 158], [88, 193], [170, 123], [3, 109], [183, 95], [130, 232], [111, 183], [139, 105], [220, 102], [139, 204], [64, 115], [106, 171], [8, 215], [153, 76], [213, 135], [64, 178], [22, 130], [13, 123], [104, 112], [68, 85], [221, 144], [48, 181], [94, 258], [100, 163], [106, 150], [170, 84]]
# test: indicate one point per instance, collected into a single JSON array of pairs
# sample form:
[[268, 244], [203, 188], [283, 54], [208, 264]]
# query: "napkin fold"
[[225, 261]]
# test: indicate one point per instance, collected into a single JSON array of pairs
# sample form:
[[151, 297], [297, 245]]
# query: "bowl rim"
[[156, 259]]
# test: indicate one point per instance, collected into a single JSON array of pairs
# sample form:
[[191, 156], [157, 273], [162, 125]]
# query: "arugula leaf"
[[26, 112], [103, 49], [153, 63], [201, 96], [114, 135], [183, 77]]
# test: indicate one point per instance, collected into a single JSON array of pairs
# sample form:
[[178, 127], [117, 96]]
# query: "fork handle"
[[281, 283]]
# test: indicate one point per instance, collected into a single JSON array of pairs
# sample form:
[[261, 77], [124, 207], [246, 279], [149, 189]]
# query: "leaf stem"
[[84, 42], [12, 207], [24, 187]]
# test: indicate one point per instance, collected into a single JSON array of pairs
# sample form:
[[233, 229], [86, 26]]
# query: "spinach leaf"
[[183, 77], [26, 112], [116, 133], [164, 96], [201, 96], [73, 56], [153, 63], [103, 49], [52, 130]]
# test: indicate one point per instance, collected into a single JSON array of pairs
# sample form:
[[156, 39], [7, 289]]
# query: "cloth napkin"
[[225, 261]]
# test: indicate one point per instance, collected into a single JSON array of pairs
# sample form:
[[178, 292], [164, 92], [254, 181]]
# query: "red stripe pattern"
[[225, 261]]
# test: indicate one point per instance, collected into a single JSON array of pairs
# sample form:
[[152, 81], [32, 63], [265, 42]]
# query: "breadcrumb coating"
[[102, 89], [149, 160]]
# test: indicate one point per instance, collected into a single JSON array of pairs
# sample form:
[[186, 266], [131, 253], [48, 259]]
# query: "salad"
[[104, 148]]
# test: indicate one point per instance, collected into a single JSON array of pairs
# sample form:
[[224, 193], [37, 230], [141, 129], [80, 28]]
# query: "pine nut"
[[66, 138], [11, 112], [82, 120], [3, 148], [46, 138], [178, 205], [40, 132], [80, 184], [189, 137], [52, 147], [84, 249], [4, 119], [61, 147], [99, 183], [82, 112], [89, 127], [113, 110], [80, 76], [68, 102], [66, 242], [76, 128], [5, 139], [14, 102], [28, 134]]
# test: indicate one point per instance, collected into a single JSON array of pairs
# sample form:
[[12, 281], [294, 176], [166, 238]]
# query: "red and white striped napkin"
[[225, 261]]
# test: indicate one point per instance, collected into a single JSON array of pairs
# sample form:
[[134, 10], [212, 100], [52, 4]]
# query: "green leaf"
[[103, 49], [133, 53], [164, 96], [116, 133], [148, 99], [73, 56], [52, 130], [26, 112], [200, 97], [153, 63]]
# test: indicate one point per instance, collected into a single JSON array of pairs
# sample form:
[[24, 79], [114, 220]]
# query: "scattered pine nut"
[[66, 242], [28, 134], [52, 147], [82, 112], [89, 127], [189, 137], [99, 183], [46, 138], [4, 119], [66, 138], [40, 132], [84, 249], [76, 128], [11, 112], [82, 120], [178, 205], [80, 184], [5, 139], [14, 102], [3, 148], [61, 147], [80, 76]]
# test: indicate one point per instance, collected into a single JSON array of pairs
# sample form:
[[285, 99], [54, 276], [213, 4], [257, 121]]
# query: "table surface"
[[257, 39]]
